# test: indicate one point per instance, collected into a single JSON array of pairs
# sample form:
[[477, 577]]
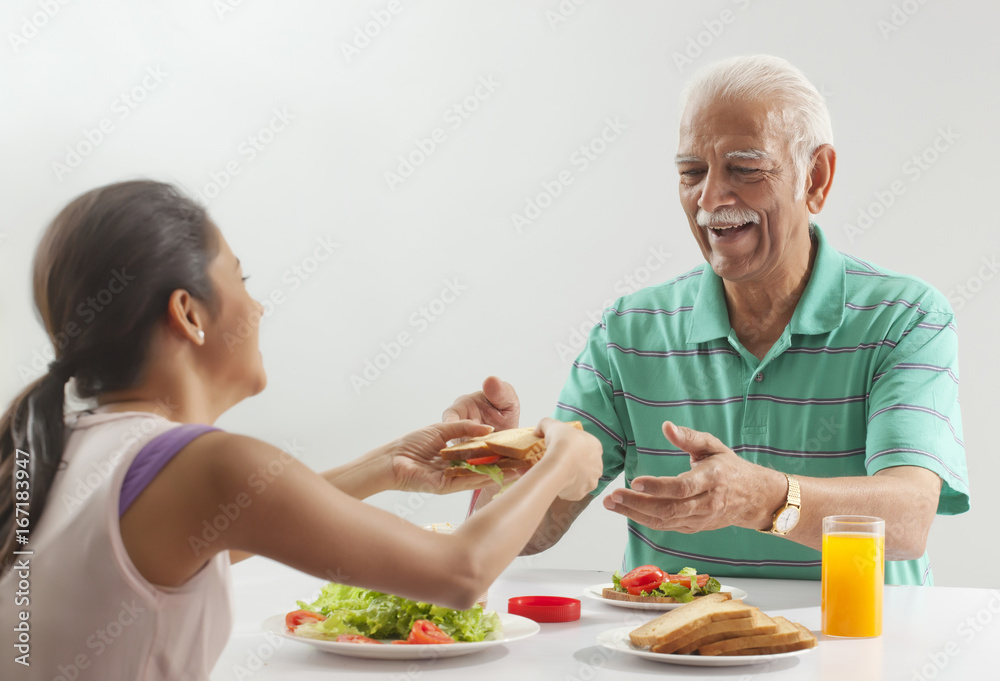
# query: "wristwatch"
[[787, 517]]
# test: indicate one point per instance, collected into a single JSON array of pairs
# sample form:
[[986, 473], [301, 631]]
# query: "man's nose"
[[715, 191]]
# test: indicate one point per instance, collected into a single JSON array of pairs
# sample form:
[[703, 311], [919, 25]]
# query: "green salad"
[[353, 610]]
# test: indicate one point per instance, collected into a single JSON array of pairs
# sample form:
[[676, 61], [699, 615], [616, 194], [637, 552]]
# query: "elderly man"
[[780, 383]]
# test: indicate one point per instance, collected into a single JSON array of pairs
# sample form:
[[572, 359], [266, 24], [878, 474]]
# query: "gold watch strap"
[[794, 495], [793, 498]]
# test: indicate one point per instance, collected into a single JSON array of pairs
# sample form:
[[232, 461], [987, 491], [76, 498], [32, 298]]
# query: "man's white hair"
[[772, 79]]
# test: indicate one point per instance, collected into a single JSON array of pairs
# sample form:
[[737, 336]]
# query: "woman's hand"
[[417, 465], [578, 453]]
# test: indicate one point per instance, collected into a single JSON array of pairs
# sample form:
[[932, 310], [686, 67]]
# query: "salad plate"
[[515, 628], [596, 592], [618, 640]]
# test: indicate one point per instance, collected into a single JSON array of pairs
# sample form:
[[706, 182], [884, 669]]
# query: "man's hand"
[[720, 490], [495, 405]]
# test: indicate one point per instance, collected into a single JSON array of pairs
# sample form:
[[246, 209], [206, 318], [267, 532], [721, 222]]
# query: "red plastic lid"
[[545, 608]]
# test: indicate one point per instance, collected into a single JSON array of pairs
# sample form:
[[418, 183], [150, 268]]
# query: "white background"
[[560, 71]]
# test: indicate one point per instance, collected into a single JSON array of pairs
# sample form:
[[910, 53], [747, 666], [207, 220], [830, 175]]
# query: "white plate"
[[514, 629], [618, 640], [597, 590]]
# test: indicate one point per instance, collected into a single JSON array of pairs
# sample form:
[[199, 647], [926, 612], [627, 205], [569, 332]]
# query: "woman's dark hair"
[[103, 274]]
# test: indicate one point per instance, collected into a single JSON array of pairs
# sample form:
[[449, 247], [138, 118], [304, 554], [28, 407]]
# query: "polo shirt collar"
[[820, 310]]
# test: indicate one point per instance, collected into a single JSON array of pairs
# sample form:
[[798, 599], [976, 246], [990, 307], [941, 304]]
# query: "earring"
[[201, 335]]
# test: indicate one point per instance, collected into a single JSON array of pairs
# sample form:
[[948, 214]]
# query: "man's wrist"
[[772, 500]]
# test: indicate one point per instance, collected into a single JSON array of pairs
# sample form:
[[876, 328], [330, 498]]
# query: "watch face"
[[786, 520]]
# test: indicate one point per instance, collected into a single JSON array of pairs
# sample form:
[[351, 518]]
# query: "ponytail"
[[151, 240], [31, 447]]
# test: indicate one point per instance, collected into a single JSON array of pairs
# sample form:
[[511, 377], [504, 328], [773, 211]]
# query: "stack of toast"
[[716, 625]]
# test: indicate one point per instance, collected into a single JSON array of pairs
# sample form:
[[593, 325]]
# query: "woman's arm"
[[409, 463], [288, 513]]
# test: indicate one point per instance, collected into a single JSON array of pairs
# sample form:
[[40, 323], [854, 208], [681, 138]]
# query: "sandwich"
[[650, 584], [494, 453]]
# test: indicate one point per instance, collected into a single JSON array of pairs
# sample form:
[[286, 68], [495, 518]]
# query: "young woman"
[[118, 524]]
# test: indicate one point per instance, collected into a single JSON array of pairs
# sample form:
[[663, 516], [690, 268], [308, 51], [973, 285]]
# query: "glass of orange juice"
[[853, 575]]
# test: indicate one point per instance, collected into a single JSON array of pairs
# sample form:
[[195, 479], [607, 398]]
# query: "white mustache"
[[727, 216]]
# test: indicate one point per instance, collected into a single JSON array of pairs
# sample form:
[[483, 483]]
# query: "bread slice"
[[806, 640], [470, 449], [613, 595], [515, 443], [688, 617], [758, 623], [787, 633]]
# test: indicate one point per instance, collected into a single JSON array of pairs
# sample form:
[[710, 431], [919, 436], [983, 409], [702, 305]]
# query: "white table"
[[929, 633]]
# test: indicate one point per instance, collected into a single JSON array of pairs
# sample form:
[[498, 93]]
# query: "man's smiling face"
[[737, 187]]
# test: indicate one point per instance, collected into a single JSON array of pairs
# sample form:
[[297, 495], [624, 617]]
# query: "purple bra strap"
[[151, 459]]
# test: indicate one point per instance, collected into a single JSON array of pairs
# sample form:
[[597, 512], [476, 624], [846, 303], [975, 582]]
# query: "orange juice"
[[853, 575]]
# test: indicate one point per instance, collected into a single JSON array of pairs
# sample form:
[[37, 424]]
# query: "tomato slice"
[[685, 580], [483, 460], [425, 631], [400, 643], [297, 617], [637, 590], [356, 638], [648, 576]]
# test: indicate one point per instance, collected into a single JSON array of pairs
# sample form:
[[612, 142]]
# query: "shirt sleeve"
[[913, 409], [588, 397]]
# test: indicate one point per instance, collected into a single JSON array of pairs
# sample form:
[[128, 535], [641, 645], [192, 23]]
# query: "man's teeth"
[[727, 226]]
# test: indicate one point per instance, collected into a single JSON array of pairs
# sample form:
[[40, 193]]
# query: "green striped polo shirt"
[[864, 377]]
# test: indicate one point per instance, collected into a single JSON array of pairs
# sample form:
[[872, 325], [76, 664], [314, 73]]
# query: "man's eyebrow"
[[237, 263], [686, 159], [749, 154]]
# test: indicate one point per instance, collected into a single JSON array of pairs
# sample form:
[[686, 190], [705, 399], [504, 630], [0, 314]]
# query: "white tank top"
[[91, 615]]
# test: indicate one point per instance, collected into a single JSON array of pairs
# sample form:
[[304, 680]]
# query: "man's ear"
[[824, 163], [185, 316]]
